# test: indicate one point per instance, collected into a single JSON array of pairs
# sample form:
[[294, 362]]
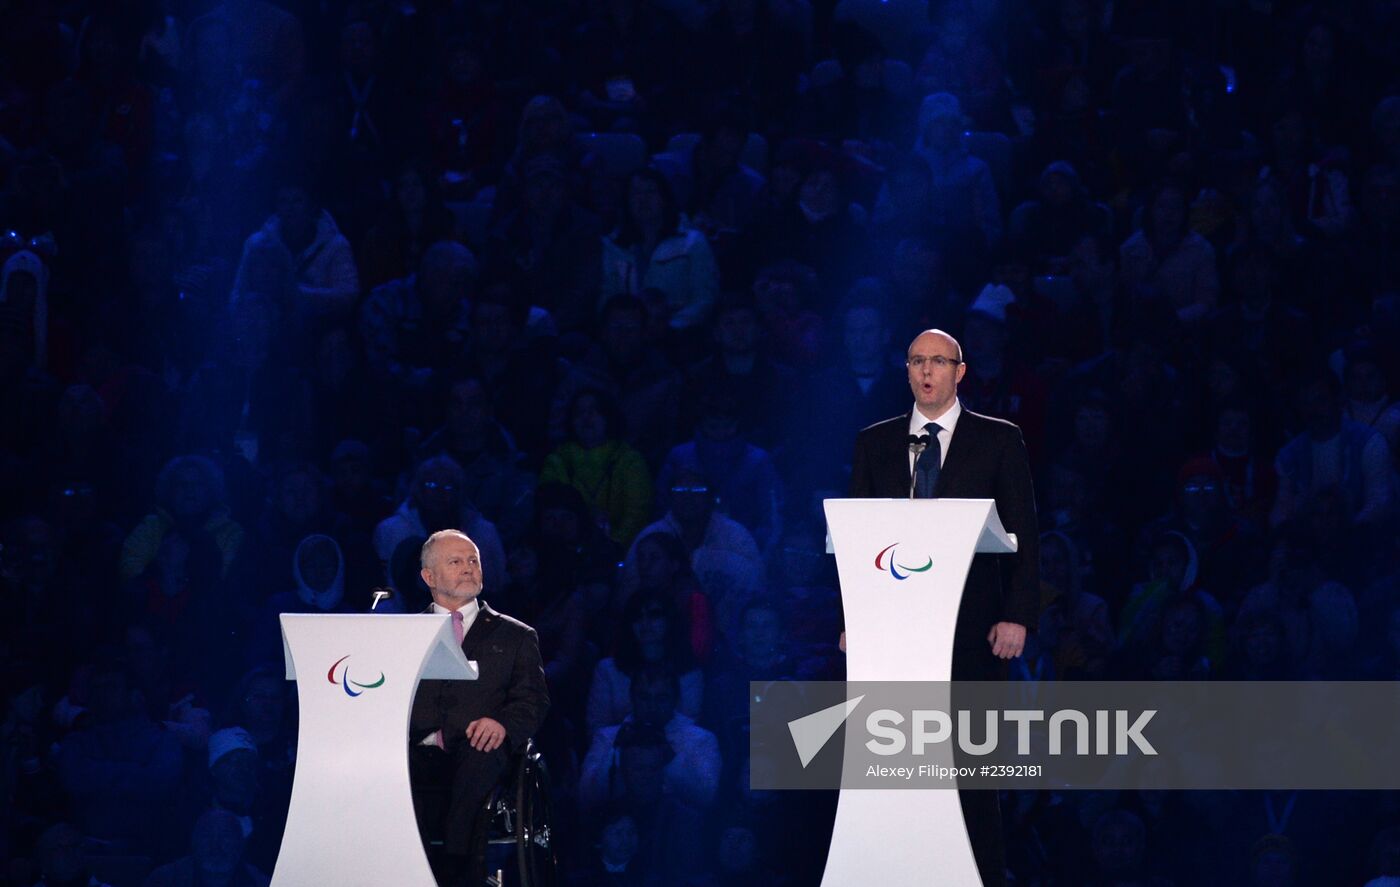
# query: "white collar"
[[948, 421], [469, 611]]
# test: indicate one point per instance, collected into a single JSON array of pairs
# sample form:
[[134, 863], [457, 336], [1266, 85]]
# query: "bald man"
[[463, 731], [969, 456]]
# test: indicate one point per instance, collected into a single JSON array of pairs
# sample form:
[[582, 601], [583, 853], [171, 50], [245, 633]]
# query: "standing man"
[[967, 456], [463, 731]]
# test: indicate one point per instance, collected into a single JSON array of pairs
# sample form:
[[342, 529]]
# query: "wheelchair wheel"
[[534, 841]]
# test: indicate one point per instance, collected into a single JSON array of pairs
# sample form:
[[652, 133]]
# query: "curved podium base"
[[351, 818], [900, 617]]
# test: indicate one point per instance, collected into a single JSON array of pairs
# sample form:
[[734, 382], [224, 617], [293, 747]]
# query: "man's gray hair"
[[426, 551]]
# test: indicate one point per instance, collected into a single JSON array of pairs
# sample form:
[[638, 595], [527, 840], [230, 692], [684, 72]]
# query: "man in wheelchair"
[[463, 733]]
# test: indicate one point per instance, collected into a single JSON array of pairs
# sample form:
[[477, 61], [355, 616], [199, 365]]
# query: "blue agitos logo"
[[884, 562], [345, 682]]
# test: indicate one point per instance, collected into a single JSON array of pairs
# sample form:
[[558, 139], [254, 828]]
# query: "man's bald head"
[[934, 361], [939, 336]]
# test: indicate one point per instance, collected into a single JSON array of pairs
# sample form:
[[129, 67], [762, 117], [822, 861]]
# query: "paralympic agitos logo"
[[345, 681], [884, 562]]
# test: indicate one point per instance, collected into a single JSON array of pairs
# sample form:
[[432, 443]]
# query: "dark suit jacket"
[[986, 460], [510, 688]]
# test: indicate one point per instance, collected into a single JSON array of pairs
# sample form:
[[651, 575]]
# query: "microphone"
[[917, 444], [382, 593]]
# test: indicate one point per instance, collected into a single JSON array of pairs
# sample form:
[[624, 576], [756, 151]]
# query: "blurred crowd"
[[611, 285]]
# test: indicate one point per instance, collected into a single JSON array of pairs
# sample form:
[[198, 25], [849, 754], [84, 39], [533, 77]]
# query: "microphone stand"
[[917, 444]]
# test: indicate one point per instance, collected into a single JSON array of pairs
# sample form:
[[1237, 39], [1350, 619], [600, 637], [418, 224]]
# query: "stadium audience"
[[285, 287]]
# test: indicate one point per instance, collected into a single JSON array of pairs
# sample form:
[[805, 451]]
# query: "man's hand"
[[842, 643], [486, 734], [1008, 639]]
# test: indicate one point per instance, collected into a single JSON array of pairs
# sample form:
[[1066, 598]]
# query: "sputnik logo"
[[811, 733], [887, 565], [345, 682]]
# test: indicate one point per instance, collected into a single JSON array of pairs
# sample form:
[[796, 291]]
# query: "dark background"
[[288, 285]]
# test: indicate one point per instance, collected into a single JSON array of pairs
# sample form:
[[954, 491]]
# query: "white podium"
[[902, 565], [351, 817]]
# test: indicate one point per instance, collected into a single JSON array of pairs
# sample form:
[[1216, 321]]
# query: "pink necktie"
[[458, 627]]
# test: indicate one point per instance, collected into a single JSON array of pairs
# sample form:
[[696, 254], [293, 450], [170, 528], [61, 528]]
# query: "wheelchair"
[[517, 819], [519, 816]]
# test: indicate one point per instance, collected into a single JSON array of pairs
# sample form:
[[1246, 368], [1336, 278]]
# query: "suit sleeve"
[[527, 698], [416, 734], [1015, 498], [861, 484]]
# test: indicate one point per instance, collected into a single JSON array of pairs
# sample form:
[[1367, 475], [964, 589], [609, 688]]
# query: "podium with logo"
[[351, 818], [902, 565]]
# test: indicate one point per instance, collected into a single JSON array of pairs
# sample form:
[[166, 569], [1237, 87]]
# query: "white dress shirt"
[[469, 611], [946, 423]]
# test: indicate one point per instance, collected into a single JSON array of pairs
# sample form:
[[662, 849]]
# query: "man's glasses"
[[701, 490], [435, 485], [938, 362]]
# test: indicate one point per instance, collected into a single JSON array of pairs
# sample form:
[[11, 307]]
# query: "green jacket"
[[143, 542], [613, 479]]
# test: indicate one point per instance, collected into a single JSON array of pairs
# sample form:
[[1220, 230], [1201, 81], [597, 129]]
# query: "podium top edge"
[[349, 616], [907, 499]]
